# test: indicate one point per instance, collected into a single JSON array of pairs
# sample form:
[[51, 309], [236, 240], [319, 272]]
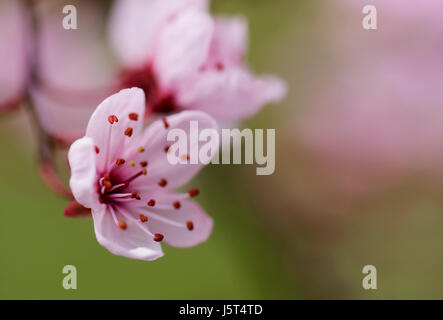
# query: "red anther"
[[219, 66], [151, 203], [193, 192], [120, 161], [144, 164], [122, 225], [112, 119], [144, 171], [133, 116], [107, 176], [143, 218], [190, 225], [166, 149], [158, 237], [163, 182], [128, 132], [177, 205], [134, 195], [165, 123], [97, 150]]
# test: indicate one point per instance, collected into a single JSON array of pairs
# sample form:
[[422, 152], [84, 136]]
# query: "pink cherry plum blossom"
[[121, 173], [186, 59]]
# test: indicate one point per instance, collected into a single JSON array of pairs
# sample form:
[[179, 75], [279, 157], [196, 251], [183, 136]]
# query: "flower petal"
[[154, 141], [175, 224], [110, 138], [131, 243], [183, 47], [82, 160], [231, 94], [135, 24], [229, 43], [13, 47]]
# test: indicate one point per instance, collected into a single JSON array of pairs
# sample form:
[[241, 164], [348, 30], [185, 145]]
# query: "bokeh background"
[[358, 175]]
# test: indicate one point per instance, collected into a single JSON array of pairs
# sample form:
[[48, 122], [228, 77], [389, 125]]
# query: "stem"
[[45, 142]]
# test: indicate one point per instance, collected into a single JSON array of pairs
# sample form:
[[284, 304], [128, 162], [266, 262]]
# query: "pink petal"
[[155, 140], [135, 25], [183, 47], [13, 46], [174, 223], [231, 94], [229, 43], [64, 115], [110, 138], [131, 243], [82, 160]]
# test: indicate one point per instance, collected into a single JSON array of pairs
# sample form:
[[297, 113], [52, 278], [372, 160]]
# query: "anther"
[[122, 225], [112, 119], [190, 225], [144, 171], [163, 182], [133, 116], [219, 66], [134, 195], [158, 237], [193, 192], [144, 164], [97, 150], [165, 123], [185, 157], [141, 149], [132, 164], [177, 204], [151, 203], [166, 149], [120, 161], [143, 218], [128, 132]]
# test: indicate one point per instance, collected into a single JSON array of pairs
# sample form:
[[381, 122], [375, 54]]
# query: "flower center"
[[157, 100]]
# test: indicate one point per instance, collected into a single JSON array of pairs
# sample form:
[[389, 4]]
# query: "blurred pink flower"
[[185, 59], [14, 39], [379, 116], [76, 70], [123, 176]]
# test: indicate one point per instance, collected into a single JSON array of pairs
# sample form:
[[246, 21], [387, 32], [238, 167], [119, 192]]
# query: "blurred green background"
[[284, 236]]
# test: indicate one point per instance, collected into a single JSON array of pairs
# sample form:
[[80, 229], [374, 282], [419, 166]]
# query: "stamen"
[[141, 149], [144, 164], [135, 176], [128, 132], [163, 182], [134, 195], [143, 218], [165, 123], [107, 184], [166, 149], [133, 116], [177, 205], [112, 119], [219, 66], [158, 237], [120, 161], [122, 225], [193, 192], [97, 150], [151, 203], [132, 164], [190, 225]]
